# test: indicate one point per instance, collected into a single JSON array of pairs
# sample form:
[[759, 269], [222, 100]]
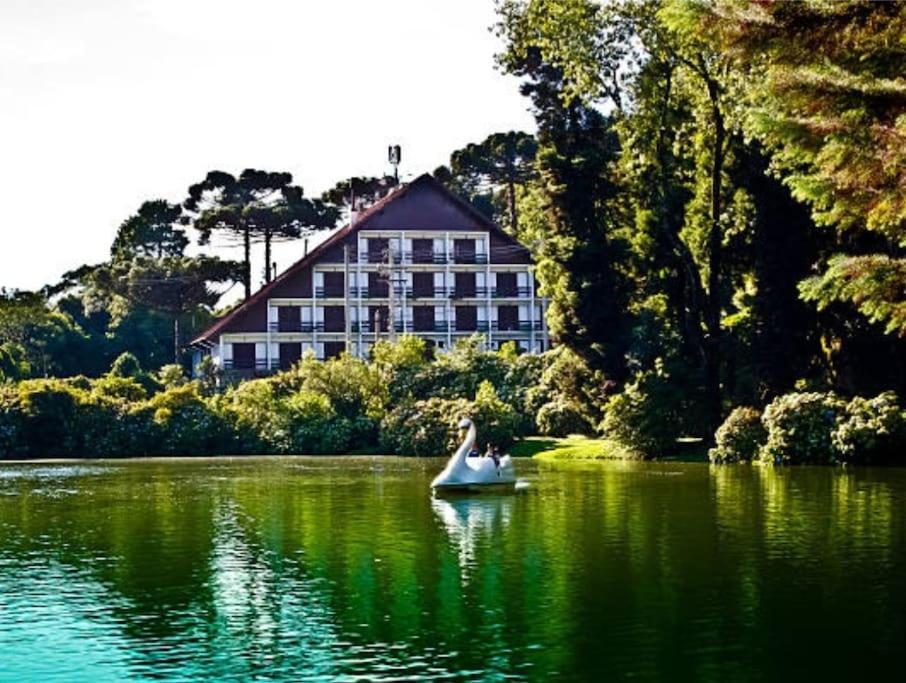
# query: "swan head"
[[465, 423]]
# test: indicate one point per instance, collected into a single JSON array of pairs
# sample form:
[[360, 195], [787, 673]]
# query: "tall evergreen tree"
[[257, 206]]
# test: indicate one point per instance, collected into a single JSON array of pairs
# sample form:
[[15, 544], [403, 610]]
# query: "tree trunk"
[[247, 261], [267, 257], [176, 338], [715, 239], [514, 219]]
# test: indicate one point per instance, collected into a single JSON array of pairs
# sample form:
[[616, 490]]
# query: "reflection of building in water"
[[473, 522]]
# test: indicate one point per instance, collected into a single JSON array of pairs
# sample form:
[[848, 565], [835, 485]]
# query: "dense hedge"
[[402, 401]]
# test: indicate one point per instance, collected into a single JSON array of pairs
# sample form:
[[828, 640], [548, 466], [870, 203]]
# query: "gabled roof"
[[361, 221]]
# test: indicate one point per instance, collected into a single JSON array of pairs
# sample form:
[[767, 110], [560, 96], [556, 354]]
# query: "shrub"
[[121, 389], [561, 417], [871, 431], [171, 375], [186, 425], [650, 413], [11, 440], [739, 437], [800, 427], [50, 412], [126, 365], [496, 422], [428, 427]]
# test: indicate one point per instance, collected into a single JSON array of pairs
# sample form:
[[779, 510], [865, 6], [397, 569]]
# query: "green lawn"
[[574, 447]]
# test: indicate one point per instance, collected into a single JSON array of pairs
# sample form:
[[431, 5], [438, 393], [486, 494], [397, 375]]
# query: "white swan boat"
[[465, 473]]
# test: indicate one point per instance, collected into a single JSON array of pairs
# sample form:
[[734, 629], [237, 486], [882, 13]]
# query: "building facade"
[[419, 261]]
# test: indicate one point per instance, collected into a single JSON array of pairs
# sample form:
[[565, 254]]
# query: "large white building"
[[419, 261]]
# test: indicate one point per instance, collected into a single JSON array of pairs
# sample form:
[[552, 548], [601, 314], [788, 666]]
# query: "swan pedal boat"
[[465, 474]]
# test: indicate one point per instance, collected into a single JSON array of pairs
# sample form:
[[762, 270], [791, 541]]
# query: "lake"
[[297, 569]]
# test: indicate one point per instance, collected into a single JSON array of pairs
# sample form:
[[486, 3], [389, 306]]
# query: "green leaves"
[[875, 285]]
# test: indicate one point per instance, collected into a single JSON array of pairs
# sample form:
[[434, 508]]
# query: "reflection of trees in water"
[[233, 568]]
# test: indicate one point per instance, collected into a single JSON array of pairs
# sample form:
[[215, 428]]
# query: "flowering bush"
[[799, 428], [871, 431], [739, 437]]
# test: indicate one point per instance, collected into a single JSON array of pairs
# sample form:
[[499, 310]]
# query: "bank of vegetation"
[[714, 197]]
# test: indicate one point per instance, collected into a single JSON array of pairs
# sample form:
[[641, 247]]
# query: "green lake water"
[[295, 569]]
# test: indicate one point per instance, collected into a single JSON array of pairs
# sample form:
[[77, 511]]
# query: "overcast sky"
[[106, 103]]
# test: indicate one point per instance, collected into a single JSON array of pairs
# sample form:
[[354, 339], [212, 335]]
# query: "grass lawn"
[[574, 447]]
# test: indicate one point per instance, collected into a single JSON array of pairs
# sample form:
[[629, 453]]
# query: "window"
[[377, 247], [422, 251], [333, 349], [506, 284], [288, 319], [290, 355], [333, 284], [465, 284], [464, 251], [507, 318], [244, 356], [377, 286], [378, 319], [423, 285], [334, 319], [423, 318], [466, 318]]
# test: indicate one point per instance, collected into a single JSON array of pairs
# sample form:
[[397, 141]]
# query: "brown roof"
[[339, 235]]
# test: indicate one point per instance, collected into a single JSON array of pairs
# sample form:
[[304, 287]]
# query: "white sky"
[[106, 103]]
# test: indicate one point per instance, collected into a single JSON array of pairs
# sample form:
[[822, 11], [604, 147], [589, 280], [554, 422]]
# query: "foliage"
[[361, 190], [652, 411], [799, 428], [257, 206], [871, 431], [739, 437], [126, 365], [427, 427], [561, 417], [171, 375], [498, 165], [14, 363], [184, 424], [873, 283], [152, 232]]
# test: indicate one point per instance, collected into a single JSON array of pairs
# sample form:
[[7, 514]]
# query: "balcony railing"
[[437, 293], [260, 365], [439, 326], [328, 292], [511, 292], [437, 257], [296, 326], [366, 293]]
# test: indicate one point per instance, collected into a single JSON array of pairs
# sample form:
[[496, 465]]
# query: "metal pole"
[[391, 279], [346, 312]]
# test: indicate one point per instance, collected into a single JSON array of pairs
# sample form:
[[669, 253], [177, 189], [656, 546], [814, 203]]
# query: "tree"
[[152, 231], [363, 191], [52, 342], [173, 286], [502, 160], [256, 206], [827, 97], [577, 148]]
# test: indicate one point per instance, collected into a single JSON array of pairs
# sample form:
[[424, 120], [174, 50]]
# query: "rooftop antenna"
[[394, 156]]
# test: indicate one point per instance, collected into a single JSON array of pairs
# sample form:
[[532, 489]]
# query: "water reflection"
[[307, 569], [471, 521]]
